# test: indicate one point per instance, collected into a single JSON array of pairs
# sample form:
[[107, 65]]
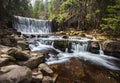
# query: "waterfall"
[[31, 26], [77, 47]]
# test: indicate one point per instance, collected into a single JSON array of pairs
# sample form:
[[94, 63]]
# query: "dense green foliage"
[[112, 19], [87, 14], [9, 8], [79, 14], [40, 9]]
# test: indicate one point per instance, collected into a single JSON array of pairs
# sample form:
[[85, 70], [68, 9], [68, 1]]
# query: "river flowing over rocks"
[[40, 56]]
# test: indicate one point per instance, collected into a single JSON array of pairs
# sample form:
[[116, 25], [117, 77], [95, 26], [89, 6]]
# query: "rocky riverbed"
[[19, 65]]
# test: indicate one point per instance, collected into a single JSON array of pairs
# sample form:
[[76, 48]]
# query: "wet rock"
[[4, 61], [18, 55], [93, 47], [112, 48], [76, 71], [25, 36], [44, 67], [15, 74], [18, 33], [34, 61], [37, 77], [65, 37], [32, 36], [62, 45]]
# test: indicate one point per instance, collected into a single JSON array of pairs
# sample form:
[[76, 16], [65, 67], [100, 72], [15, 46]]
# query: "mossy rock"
[[62, 45], [112, 48], [93, 47]]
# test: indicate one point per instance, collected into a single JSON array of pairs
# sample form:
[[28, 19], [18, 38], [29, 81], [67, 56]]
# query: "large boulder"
[[76, 71], [15, 74], [93, 47], [34, 61], [112, 48], [62, 45], [18, 54]]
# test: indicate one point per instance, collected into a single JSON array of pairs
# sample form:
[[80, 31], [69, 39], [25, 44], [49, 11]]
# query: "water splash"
[[79, 50], [31, 26]]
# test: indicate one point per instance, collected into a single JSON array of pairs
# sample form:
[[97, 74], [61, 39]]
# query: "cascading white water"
[[78, 44], [78, 48], [31, 26]]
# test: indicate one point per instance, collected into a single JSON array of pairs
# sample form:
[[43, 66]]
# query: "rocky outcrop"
[[93, 47], [62, 45], [112, 48], [17, 63], [15, 74], [76, 71], [34, 61], [18, 55]]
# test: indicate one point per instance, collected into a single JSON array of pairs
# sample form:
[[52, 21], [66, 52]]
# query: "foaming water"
[[31, 26], [78, 48]]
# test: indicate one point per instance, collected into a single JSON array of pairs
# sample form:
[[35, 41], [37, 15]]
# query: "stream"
[[40, 38]]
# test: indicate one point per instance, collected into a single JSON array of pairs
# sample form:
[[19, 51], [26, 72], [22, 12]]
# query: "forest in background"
[[78, 14]]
